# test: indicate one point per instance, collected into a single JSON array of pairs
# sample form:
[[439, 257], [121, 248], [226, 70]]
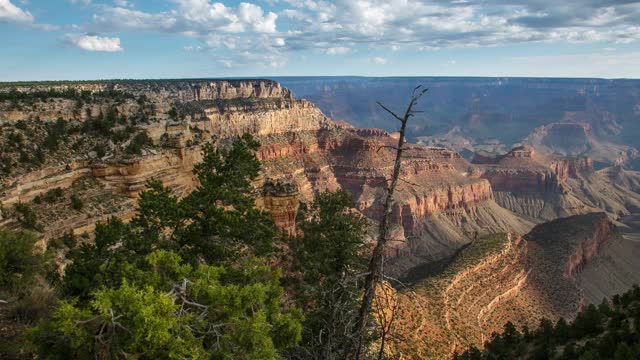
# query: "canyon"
[[552, 272], [574, 117], [302, 151], [511, 231]]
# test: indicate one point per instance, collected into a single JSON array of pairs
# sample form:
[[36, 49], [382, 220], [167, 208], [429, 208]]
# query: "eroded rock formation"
[[545, 187], [300, 147], [550, 273]]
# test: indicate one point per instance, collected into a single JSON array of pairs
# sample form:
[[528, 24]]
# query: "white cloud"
[[338, 27], [12, 13], [380, 60], [253, 14], [95, 43], [337, 50], [295, 14], [121, 19], [122, 3]]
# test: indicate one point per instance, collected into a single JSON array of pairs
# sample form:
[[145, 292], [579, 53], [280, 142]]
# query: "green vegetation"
[[76, 202], [186, 278], [471, 255], [100, 149], [27, 217], [54, 195], [26, 296], [30, 142], [55, 132], [18, 262], [135, 146], [70, 93], [192, 277], [329, 256], [175, 310], [607, 331]]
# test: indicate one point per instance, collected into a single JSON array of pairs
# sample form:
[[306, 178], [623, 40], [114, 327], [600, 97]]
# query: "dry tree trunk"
[[385, 302], [375, 271]]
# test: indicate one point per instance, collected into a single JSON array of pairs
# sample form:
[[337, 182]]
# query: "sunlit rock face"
[[302, 152]]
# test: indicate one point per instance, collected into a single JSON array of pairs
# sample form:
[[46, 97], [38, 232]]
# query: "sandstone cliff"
[[440, 204], [545, 187]]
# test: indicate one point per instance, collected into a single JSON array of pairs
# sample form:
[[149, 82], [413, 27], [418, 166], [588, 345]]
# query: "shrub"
[[18, 262], [55, 132], [24, 157], [173, 114], [15, 138], [21, 124], [135, 146], [27, 217], [38, 157], [77, 145], [119, 136], [6, 164], [53, 195], [76, 202], [100, 150], [69, 240], [36, 303]]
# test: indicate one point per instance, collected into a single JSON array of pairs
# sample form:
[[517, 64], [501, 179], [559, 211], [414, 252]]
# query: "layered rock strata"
[[540, 186], [551, 272], [440, 204]]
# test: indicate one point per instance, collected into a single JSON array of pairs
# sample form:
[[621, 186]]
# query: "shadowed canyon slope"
[[552, 272]]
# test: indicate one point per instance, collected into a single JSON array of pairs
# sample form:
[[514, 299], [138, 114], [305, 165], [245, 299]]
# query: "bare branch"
[[389, 111], [408, 182], [389, 278], [413, 94], [386, 146], [376, 263]]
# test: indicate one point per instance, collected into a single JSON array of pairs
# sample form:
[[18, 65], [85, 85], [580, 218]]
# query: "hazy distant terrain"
[[595, 117]]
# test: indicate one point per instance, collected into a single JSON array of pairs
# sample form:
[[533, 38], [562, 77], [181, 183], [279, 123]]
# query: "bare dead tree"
[[386, 308], [376, 264]]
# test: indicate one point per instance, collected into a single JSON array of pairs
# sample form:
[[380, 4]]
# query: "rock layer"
[[300, 146], [550, 273]]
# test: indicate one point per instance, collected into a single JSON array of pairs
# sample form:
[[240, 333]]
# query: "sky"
[[106, 39]]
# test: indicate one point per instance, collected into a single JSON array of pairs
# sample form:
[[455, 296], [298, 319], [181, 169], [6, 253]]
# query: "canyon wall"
[[594, 117], [300, 147], [541, 186], [508, 277], [222, 109], [589, 247], [565, 168]]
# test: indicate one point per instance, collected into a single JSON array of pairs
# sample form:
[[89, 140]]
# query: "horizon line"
[[268, 77]]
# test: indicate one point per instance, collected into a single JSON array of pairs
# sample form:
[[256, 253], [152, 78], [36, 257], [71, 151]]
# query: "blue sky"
[[98, 39]]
